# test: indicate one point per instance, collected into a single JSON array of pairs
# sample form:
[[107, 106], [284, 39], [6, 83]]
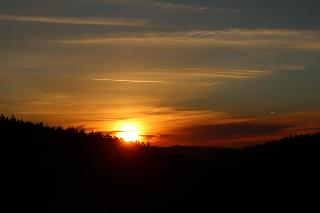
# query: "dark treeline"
[[52, 169], [40, 132]]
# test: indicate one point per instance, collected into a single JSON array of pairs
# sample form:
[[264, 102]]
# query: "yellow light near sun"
[[129, 132]]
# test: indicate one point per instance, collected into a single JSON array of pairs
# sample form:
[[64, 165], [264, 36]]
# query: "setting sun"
[[129, 133]]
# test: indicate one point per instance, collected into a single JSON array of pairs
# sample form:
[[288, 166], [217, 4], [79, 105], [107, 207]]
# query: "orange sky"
[[218, 73]]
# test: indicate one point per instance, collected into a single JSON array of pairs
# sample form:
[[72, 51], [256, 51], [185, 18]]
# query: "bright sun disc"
[[128, 133]]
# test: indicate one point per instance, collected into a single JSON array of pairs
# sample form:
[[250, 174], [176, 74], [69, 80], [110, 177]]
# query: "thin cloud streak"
[[153, 4], [189, 76], [129, 81], [75, 20], [214, 73], [285, 38], [204, 84]]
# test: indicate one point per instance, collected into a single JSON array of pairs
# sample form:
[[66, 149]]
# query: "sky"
[[225, 73]]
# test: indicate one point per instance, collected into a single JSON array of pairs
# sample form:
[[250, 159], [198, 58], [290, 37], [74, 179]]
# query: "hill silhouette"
[[52, 169]]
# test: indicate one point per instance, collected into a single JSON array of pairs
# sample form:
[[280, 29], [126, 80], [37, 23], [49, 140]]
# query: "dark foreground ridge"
[[48, 169]]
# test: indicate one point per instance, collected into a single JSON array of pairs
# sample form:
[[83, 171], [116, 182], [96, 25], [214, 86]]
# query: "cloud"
[[204, 84], [230, 132], [207, 74], [224, 73], [152, 3], [196, 77], [288, 67], [277, 38], [75, 20], [204, 77], [225, 135], [129, 81]]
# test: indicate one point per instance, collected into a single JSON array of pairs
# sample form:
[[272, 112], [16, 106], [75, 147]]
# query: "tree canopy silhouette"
[[55, 169]]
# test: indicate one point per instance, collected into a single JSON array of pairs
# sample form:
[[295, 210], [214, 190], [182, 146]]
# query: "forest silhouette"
[[55, 169]]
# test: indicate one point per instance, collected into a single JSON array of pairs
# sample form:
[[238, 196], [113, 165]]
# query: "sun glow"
[[129, 133]]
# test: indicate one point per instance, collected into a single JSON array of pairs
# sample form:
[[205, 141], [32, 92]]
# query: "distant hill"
[[52, 169]]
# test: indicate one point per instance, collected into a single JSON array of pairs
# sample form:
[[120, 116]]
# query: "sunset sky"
[[185, 72]]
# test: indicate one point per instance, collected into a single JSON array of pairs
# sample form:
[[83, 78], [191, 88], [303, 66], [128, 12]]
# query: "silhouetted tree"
[[56, 169]]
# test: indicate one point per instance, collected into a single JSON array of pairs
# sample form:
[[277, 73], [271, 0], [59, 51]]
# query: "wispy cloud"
[[207, 73], [129, 81], [152, 3], [189, 76], [175, 81], [284, 38], [230, 131], [75, 20], [221, 73]]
